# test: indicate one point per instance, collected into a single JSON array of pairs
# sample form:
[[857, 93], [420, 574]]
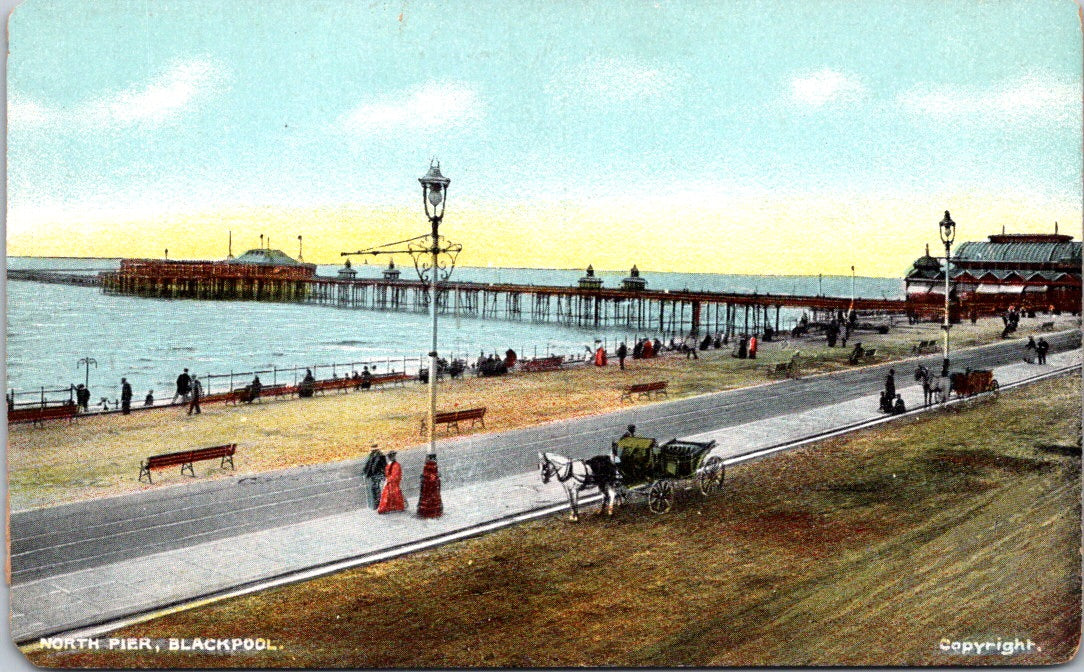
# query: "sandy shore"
[[100, 456]]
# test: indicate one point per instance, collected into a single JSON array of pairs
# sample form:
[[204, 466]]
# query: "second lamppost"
[[948, 234]]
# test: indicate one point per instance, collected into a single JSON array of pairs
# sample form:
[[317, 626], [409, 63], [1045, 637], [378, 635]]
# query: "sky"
[[727, 136]]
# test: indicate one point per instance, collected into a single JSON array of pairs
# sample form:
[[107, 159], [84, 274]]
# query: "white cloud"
[[164, 97], [614, 80], [825, 86], [427, 108], [154, 102], [1027, 99]]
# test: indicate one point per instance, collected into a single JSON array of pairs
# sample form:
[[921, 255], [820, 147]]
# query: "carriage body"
[[969, 383], [642, 460]]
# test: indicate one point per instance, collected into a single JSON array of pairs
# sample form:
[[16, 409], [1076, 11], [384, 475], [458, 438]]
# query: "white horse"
[[935, 389], [579, 475]]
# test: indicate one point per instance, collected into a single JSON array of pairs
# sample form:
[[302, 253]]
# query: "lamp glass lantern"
[[434, 191], [947, 229]]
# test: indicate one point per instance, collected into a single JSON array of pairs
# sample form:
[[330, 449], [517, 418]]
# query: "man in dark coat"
[[890, 385], [1041, 348], [184, 386], [374, 473], [622, 353], [125, 396]]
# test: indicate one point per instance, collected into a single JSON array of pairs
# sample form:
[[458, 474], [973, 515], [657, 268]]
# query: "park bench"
[[393, 378], [869, 354], [923, 346], [343, 384], [1047, 326], [642, 390], [544, 363], [453, 418], [780, 368], [39, 414], [186, 458]]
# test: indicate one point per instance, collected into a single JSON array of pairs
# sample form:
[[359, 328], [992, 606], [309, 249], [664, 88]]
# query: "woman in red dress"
[[391, 499]]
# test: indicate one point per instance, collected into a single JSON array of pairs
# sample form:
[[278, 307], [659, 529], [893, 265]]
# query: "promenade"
[[100, 562]]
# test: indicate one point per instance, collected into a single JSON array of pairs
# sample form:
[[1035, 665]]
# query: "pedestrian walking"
[[125, 396], [1041, 348], [82, 397], [184, 386], [391, 499], [195, 393], [374, 474], [752, 347], [429, 502], [622, 353], [1030, 350], [890, 385]]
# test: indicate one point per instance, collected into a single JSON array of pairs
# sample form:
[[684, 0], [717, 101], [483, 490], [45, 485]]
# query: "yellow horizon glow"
[[756, 236]]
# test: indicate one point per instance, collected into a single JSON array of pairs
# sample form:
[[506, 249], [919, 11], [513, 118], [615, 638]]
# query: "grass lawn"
[[99, 456], [869, 549]]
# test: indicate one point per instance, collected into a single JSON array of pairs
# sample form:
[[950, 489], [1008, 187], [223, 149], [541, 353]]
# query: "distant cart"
[[666, 467], [969, 383]]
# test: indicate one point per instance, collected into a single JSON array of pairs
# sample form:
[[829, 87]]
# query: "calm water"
[[51, 327]]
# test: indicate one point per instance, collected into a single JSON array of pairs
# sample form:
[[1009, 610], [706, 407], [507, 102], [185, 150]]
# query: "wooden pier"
[[663, 311], [655, 311]]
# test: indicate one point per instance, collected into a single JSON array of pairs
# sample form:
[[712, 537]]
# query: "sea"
[[53, 330]]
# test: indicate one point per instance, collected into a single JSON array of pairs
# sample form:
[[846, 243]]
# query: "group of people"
[[891, 402], [189, 391], [384, 476], [1011, 320], [643, 348], [1036, 351]]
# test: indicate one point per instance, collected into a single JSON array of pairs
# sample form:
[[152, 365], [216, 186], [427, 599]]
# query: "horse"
[[935, 389], [578, 475]]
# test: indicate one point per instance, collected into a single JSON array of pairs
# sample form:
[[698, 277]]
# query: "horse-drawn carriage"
[[637, 461], [937, 389], [642, 460]]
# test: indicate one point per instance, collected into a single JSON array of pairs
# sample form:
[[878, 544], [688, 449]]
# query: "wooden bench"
[[39, 414], [343, 384], [1047, 326], [393, 378], [923, 346], [453, 418], [544, 363], [186, 458], [869, 354], [781, 367], [642, 390]]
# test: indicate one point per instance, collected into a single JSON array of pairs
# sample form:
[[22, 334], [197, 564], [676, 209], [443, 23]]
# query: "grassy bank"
[[865, 550], [100, 456]]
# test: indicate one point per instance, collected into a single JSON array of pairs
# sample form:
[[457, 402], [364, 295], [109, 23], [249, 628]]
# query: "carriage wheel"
[[995, 389], [661, 497], [711, 476]]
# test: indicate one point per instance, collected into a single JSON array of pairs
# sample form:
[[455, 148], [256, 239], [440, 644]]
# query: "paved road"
[[66, 538]]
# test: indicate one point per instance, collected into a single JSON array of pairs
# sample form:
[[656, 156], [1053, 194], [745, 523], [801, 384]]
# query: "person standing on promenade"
[[1041, 349], [391, 499], [890, 385], [753, 347], [622, 353], [1030, 350], [82, 397], [125, 396], [429, 502], [149, 399], [184, 386], [366, 378], [196, 392], [374, 473]]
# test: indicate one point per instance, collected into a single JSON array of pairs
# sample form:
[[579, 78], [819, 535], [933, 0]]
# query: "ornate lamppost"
[[87, 362], [948, 234], [434, 259]]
